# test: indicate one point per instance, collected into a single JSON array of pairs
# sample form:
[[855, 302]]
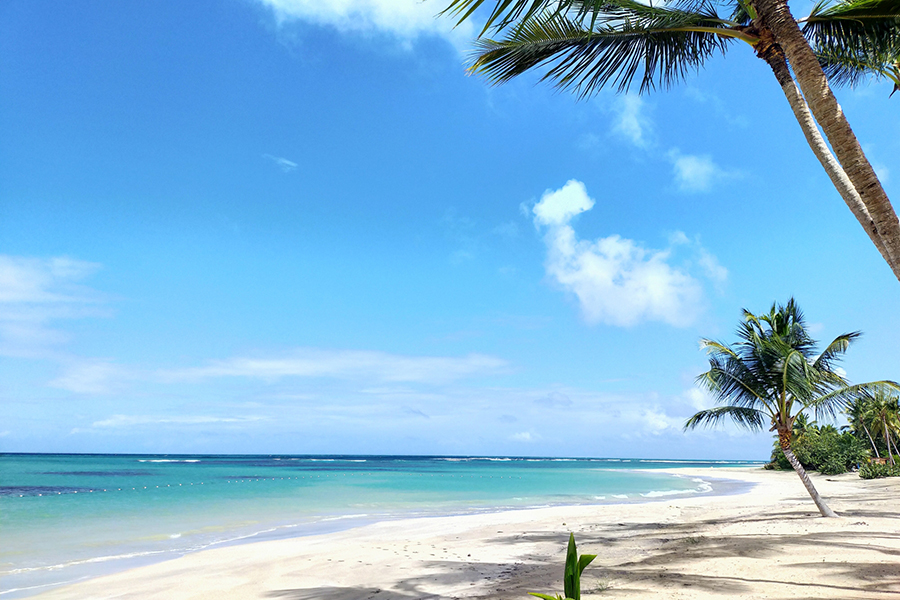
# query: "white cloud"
[[348, 364], [558, 207], [51, 280], [694, 173], [712, 267], [698, 399], [34, 292], [90, 377], [617, 281], [120, 421], [405, 20], [524, 436], [631, 122], [282, 163]]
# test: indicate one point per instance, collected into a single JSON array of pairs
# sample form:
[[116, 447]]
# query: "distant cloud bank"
[[616, 280]]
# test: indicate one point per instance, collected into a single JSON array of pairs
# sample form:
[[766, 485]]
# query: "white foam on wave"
[[659, 493], [85, 561], [343, 517], [169, 460], [43, 585]]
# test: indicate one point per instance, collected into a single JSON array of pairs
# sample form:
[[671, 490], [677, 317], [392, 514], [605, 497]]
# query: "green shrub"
[[825, 450], [875, 470], [833, 465]]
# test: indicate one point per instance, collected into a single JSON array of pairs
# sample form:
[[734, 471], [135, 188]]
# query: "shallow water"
[[68, 517]]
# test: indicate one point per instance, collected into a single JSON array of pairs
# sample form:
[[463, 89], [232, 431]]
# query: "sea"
[[68, 517]]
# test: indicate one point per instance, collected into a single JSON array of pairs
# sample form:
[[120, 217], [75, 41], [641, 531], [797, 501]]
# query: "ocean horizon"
[[69, 517]]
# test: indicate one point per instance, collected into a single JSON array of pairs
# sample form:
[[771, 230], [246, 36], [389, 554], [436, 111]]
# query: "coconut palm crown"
[[773, 375]]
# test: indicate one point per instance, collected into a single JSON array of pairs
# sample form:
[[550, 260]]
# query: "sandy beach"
[[765, 543]]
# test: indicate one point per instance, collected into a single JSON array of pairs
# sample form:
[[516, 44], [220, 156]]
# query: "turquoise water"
[[68, 517]]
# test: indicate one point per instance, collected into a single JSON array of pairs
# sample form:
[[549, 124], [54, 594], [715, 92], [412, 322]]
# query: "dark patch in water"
[[102, 473], [39, 490]]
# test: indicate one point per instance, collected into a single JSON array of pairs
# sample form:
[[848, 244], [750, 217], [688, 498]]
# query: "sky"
[[285, 226]]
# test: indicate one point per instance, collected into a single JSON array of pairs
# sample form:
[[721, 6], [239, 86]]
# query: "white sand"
[[768, 543]]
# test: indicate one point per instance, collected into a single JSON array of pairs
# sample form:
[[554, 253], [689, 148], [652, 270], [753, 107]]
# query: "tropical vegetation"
[[878, 419], [586, 45], [874, 470], [822, 448], [773, 374]]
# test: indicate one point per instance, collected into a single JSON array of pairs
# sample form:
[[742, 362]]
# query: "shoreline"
[[91, 568], [698, 545]]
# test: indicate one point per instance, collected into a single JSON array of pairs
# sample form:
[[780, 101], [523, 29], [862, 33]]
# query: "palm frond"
[[855, 38], [835, 349], [748, 418], [743, 13], [504, 11], [658, 46], [841, 398]]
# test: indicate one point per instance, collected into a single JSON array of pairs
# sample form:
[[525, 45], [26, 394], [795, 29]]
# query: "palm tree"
[[773, 376], [882, 412], [857, 412], [586, 45]]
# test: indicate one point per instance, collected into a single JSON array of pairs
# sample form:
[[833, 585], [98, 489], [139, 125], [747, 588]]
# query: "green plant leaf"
[[545, 596], [584, 561]]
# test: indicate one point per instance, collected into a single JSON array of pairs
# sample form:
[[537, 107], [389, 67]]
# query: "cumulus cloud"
[[348, 364], [557, 208], [616, 280], [630, 121], [405, 20], [282, 163], [695, 173]]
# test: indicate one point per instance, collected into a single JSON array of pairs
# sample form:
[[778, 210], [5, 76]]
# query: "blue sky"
[[283, 226]]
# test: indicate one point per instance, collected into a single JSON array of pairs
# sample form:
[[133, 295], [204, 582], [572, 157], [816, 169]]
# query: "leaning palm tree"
[[588, 44], [773, 375]]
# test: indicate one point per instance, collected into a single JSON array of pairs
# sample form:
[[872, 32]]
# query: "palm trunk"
[[776, 15], [784, 439], [774, 57], [874, 447], [887, 440]]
